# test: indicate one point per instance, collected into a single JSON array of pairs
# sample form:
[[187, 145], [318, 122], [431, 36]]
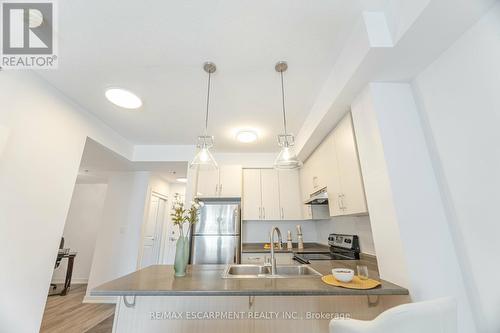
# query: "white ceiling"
[[157, 48], [98, 163]]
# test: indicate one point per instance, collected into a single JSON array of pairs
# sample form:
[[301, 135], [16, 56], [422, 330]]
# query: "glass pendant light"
[[204, 158], [287, 159]]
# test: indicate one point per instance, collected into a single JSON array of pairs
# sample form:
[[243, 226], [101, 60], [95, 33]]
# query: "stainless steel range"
[[342, 247]]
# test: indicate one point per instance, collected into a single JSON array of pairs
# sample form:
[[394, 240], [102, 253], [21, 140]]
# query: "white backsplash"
[[258, 231], [353, 225], [313, 231]]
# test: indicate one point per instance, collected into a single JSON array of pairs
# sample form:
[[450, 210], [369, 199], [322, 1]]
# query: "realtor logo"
[[28, 35]]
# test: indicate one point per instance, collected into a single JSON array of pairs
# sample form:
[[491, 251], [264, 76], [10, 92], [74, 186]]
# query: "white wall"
[[411, 195], [119, 239], [258, 231], [460, 104], [80, 230], [351, 225], [38, 169]]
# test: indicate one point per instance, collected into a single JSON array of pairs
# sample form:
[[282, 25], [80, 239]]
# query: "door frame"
[[143, 226]]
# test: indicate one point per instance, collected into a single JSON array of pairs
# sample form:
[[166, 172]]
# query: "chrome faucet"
[[273, 259]]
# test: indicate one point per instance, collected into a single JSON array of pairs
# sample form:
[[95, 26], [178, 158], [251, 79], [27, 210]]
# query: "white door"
[[230, 181], [252, 198], [172, 234], [290, 199], [152, 231], [352, 197], [270, 195], [208, 183]]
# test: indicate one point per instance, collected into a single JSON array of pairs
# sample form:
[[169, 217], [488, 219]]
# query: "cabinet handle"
[[216, 189], [341, 201], [220, 189], [282, 213]]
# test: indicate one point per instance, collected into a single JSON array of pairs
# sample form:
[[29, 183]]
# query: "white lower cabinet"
[[258, 258]]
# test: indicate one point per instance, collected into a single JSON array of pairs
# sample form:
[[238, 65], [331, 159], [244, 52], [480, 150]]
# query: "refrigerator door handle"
[[236, 221]]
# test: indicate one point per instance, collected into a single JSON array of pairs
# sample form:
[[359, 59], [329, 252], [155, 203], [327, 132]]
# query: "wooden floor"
[[67, 314]]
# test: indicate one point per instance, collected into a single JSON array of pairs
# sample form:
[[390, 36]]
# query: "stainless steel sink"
[[256, 271]]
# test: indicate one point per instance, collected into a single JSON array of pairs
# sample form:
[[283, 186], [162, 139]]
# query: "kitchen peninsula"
[[149, 297]]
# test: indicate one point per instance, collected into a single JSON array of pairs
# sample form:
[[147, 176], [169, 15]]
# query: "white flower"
[[177, 206], [201, 203]]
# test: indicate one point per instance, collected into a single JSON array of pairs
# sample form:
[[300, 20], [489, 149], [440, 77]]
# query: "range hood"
[[318, 198]]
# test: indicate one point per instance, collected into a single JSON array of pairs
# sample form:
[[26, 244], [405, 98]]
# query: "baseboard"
[[100, 299], [73, 281]]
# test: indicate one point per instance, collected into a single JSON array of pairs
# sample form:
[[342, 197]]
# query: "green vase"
[[181, 256]]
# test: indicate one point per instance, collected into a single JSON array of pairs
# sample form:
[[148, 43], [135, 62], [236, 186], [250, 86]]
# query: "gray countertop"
[[206, 280], [308, 247]]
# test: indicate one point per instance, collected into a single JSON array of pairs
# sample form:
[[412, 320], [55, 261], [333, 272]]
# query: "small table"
[[69, 270]]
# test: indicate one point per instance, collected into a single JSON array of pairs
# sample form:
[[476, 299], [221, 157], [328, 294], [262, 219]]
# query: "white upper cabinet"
[[306, 179], [352, 194], [316, 171], [333, 178], [289, 194], [208, 183], [270, 195], [252, 195], [230, 181], [335, 165], [222, 182]]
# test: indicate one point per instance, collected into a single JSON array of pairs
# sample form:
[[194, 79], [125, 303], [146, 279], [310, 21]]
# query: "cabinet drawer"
[[259, 258]]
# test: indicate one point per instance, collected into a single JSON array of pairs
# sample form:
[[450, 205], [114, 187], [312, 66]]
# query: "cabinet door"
[[251, 199], [305, 174], [352, 197], [283, 258], [333, 177], [230, 181], [253, 258], [208, 183], [290, 199], [270, 195], [307, 212]]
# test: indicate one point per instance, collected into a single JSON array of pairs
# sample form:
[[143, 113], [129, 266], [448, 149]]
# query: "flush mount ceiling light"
[[246, 136], [203, 158], [123, 98], [287, 159], [182, 180]]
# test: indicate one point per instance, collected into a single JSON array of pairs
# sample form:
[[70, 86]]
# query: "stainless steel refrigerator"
[[216, 237]]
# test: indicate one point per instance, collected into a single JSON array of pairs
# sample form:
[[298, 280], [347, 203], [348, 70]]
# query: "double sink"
[[262, 272]]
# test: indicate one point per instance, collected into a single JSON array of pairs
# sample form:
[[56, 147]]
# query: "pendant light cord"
[[283, 101], [208, 102]]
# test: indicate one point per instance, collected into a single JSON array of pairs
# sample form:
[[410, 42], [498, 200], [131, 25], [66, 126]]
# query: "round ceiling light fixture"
[[182, 180], [123, 98], [246, 136]]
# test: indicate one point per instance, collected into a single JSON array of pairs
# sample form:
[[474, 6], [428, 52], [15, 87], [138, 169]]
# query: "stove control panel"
[[343, 241]]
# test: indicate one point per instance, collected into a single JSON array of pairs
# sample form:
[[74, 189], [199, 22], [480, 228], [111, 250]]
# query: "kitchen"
[[254, 277], [251, 166]]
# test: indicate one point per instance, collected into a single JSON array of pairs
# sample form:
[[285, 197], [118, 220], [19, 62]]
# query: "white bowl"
[[343, 274]]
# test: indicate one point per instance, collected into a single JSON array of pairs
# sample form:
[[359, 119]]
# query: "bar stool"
[[437, 316]]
